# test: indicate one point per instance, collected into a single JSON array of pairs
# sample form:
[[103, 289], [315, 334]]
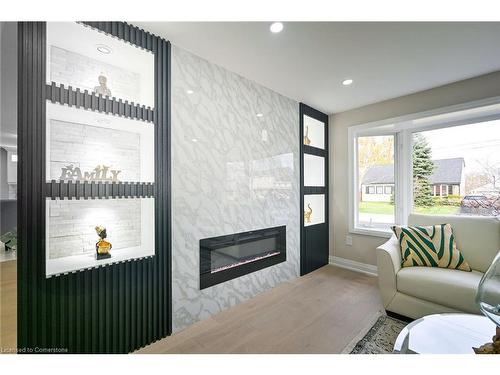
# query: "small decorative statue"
[[308, 213], [102, 247], [102, 89], [307, 141], [491, 347]]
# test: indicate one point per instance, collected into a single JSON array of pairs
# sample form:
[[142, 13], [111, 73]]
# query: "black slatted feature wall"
[[112, 309], [314, 248]]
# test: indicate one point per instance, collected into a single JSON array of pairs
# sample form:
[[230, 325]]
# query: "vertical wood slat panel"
[[158, 52], [118, 308], [167, 237], [31, 104], [40, 92]]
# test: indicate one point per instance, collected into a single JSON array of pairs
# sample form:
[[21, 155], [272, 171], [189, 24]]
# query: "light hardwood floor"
[[8, 305], [321, 312]]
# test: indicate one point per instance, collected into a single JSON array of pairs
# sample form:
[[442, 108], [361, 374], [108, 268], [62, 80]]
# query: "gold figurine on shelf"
[[307, 141], [102, 246], [308, 213]]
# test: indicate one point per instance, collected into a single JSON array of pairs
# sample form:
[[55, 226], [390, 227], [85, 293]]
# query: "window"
[[443, 162], [375, 166], [465, 161]]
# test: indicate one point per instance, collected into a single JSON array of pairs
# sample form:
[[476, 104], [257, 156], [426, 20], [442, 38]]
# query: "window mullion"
[[403, 180]]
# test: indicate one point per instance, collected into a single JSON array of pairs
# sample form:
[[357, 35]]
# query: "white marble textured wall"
[[232, 171]]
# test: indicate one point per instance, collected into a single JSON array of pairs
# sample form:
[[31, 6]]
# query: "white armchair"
[[418, 291], [389, 260]]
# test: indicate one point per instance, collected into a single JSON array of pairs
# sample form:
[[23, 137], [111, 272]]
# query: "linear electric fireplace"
[[227, 257]]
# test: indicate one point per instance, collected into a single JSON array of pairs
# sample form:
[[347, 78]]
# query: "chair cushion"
[[478, 238], [432, 246], [452, 288]]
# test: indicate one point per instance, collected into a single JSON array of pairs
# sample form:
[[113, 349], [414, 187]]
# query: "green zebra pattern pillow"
[[432, 246]]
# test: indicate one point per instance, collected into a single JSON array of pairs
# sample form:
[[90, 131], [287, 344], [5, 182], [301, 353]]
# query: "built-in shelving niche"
[[91, 61], [99, 150], [94, 135]]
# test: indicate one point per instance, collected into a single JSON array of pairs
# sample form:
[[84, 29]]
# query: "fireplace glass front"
[[227, 257]]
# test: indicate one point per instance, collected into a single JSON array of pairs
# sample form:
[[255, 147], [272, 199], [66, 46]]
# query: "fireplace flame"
[[244, 262]]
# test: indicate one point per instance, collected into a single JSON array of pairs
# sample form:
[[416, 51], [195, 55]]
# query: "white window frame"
[[402, 129]]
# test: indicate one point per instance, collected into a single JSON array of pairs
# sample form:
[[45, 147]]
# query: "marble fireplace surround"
[[235, 168]]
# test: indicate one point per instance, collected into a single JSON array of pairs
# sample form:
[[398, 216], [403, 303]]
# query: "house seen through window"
[[376, 181], [455, 171]]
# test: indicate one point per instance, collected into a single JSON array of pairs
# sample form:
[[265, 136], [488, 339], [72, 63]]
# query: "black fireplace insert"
[[227, 257]]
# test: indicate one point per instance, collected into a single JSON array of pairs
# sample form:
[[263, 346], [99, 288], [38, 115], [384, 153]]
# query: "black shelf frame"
[[314, 239], [98, 190], [83, 99], [117, 308]]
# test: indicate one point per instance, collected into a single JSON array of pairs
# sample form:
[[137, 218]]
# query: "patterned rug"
[[380, 338]]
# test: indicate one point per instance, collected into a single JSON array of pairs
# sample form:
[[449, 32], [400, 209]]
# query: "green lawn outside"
[[437, 210], [385, 208]]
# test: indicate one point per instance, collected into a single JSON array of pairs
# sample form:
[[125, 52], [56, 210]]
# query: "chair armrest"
[[388, 265]]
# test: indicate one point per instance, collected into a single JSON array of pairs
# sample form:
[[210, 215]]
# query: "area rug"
[[379, 339]]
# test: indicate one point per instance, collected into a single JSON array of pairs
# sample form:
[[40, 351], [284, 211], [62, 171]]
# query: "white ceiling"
[[308, 61]]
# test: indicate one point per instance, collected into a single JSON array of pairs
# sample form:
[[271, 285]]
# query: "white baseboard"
[[352, 265]]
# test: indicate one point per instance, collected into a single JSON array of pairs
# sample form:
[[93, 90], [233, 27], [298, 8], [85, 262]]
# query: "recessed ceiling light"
[[276, 27], [259, 115], [189, 92], [347, 82], [194, 140], [103, 49]]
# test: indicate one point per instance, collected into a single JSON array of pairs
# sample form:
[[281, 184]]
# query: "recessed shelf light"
[[276, 27], [189, 92], [259, 115], [347, 82], [103, 49]]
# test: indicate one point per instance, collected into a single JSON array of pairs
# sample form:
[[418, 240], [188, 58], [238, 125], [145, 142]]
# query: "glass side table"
[[445, 334]]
